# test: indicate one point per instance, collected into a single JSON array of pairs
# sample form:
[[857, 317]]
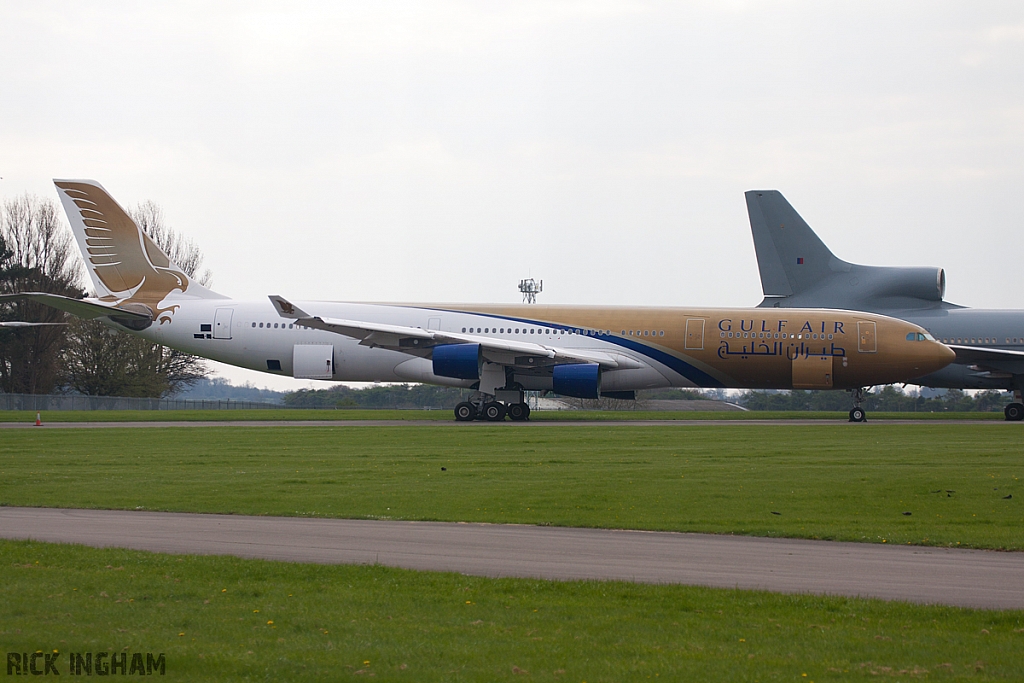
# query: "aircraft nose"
[[943, 355]]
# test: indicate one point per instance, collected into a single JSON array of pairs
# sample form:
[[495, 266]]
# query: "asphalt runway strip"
[[966, 578]]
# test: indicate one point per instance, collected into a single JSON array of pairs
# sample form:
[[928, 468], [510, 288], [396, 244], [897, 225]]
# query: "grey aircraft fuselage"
[[799, 271]]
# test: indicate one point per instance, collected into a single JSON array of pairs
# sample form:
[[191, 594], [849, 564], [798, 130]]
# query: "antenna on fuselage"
[[530, 289]]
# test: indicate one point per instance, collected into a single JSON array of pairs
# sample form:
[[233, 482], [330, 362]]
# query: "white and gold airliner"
[[497, 350]]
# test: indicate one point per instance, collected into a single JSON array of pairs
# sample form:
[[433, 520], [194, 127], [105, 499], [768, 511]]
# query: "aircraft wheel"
[[465, 412], [1014, 412], [517, 412], [494, 411], [858, 415]]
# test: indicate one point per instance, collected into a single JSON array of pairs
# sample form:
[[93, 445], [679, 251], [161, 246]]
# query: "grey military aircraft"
[[799, 271]]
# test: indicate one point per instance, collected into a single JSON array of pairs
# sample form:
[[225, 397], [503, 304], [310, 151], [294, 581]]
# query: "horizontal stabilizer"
[[78, 307], [20, 324]]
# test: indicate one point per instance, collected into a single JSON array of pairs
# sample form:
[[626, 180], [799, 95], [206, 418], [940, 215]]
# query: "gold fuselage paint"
[[742, 348]]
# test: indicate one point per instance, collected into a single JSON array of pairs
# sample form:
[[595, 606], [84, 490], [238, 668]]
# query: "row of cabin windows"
[[980, 340], [547, 330], [776, 335], [282, 325], [536, 331]]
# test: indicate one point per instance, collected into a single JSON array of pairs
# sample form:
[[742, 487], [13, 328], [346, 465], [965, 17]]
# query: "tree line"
[[37, 254], [888, 398]]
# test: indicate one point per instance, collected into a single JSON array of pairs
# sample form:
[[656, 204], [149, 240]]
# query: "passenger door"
[[694, 334], [866, 337], [222, 323]]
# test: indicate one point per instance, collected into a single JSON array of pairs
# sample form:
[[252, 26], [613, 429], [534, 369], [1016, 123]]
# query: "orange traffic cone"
[[39, 420]]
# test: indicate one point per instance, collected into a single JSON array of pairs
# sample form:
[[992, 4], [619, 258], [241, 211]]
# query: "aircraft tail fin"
[[790, 256], [798, 270], [124, 263]]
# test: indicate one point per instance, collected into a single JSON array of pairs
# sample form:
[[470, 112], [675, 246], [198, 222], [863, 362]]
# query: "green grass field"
[[29, 416], [223, 618], [961, 483]]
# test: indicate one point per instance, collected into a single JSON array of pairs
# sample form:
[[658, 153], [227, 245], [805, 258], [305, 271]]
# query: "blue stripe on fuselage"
[[694, 374]]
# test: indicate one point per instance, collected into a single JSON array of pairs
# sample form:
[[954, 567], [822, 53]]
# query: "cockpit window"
[[927, 336], [911, 336], [917, 336]]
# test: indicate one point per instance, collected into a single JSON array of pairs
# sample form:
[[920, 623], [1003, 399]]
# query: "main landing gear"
[[485, 407], [857, 413], [1015, 411]]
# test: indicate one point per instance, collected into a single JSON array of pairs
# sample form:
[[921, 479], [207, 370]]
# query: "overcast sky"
[[440, 152]]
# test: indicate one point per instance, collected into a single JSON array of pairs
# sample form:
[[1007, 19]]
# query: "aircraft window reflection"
[[261, 324], [254, 324]]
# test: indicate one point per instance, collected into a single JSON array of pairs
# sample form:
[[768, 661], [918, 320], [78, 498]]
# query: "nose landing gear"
[[1015, 411], [857, 413]]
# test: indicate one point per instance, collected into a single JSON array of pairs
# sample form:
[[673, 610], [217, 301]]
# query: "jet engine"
[[580, 380], [928, 284], [459, 361]]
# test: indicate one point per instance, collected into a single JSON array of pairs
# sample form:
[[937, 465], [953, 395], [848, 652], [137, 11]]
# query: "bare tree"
[[183, 251], [101, 361], [36, 257]]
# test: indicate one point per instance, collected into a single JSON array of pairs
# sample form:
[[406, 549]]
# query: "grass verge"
[[223, 618], [961, 484]]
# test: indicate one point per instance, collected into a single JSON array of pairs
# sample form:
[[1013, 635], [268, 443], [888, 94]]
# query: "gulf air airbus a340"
[[499, 351]]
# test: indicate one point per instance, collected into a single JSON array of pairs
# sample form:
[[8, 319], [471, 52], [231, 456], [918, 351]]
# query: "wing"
[[994, 360], [419, 342]]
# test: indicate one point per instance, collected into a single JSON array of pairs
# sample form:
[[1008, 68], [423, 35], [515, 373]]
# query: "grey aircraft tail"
[[798, 270]]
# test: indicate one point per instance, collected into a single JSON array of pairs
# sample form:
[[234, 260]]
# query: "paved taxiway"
[[453, 423], [968, 578]]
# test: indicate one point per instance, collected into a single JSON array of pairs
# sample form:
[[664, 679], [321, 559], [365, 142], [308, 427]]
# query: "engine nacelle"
[[582, 380], [928, 284], [459, 361]]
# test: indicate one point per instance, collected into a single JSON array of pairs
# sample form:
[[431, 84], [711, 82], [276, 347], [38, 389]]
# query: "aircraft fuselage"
[[658, 347]]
